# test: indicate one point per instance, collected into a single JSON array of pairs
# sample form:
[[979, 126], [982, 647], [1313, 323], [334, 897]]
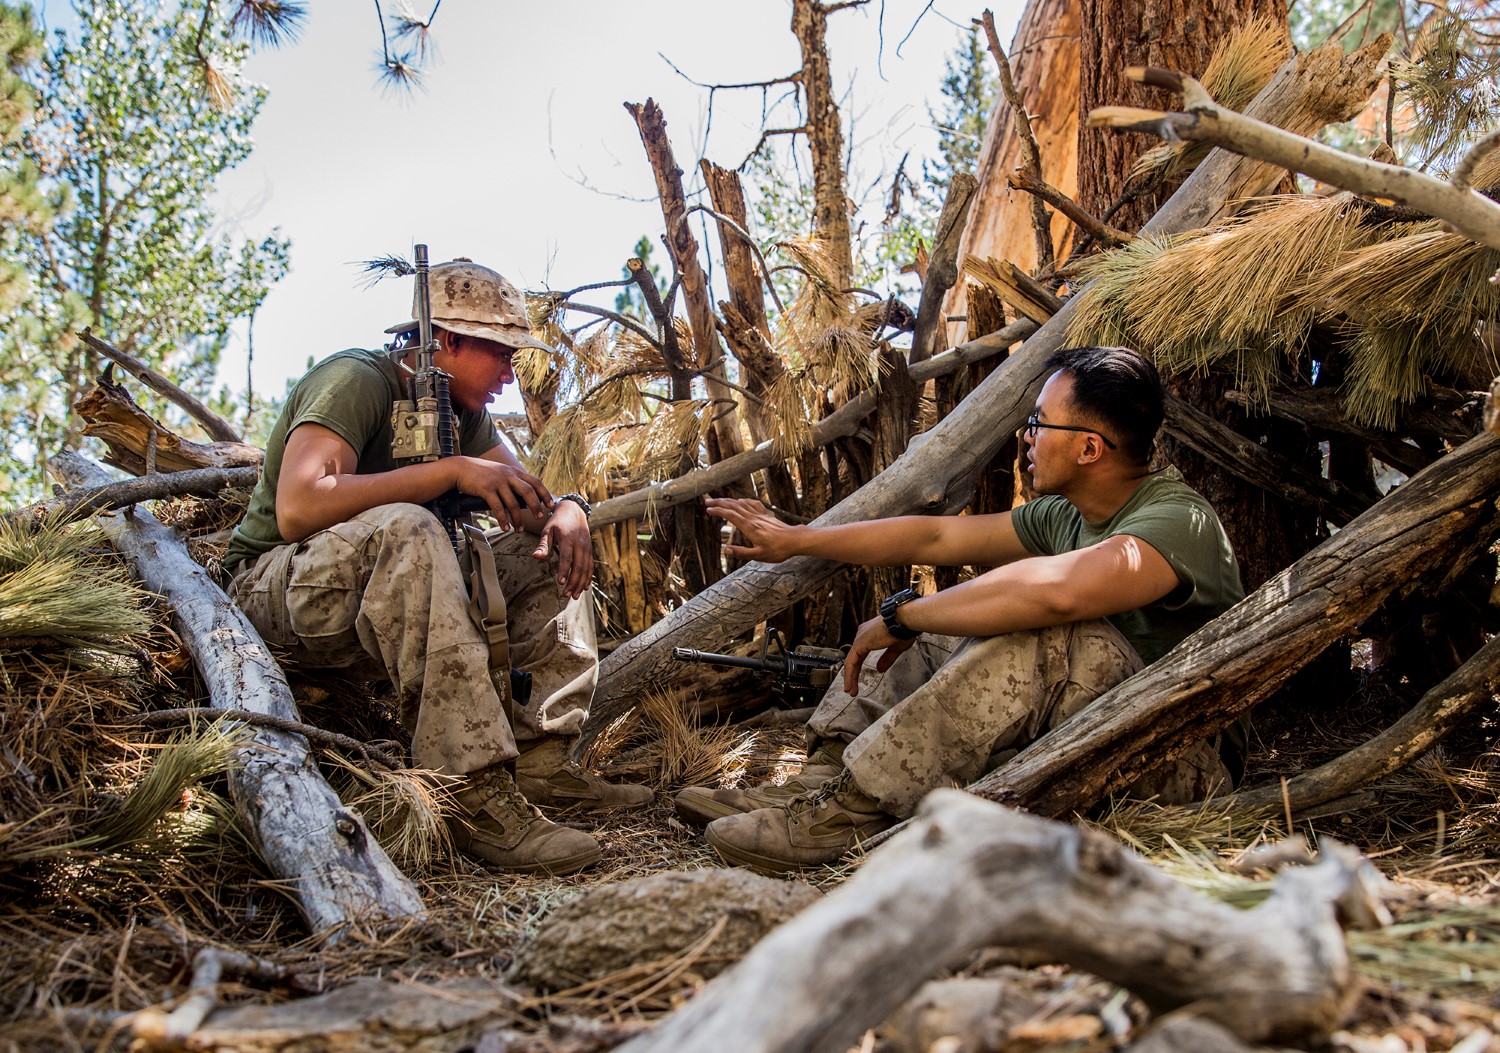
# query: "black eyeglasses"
[[1032, 424]]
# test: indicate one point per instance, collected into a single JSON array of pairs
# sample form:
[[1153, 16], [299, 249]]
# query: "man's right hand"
[[509, 491], [768, 538]]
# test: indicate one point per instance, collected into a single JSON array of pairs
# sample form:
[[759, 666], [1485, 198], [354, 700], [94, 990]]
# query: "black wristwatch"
[[888, 614], [578, 499]]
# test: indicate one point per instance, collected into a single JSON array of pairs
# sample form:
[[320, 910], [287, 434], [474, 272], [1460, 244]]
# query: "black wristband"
[[893, 625], [578, 499]]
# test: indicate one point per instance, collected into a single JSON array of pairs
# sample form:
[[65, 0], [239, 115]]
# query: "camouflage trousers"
[[382, 596], [949, 710]]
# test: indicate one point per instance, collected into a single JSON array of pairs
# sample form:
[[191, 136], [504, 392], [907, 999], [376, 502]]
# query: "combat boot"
[[547, 774], [498, 827], [809, 830], [703, 804]]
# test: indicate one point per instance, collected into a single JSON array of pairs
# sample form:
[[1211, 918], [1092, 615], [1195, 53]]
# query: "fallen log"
[[320, 851], [199, 482], [931, 474], [1438, 712], [969, 875], [1237, 660]]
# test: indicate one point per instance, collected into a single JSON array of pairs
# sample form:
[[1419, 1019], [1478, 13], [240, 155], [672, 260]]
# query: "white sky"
[[524, 102]]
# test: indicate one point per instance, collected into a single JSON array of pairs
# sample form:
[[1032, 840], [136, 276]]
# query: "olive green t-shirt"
[[1172, 518], [351, 394]]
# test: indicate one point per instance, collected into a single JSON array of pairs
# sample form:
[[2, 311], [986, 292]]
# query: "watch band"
[[888, 607], [578, 499]]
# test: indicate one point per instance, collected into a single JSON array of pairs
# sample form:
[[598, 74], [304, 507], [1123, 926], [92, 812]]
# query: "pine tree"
[[23, 206]]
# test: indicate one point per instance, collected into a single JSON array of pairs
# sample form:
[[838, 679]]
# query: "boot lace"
[[804, 802]]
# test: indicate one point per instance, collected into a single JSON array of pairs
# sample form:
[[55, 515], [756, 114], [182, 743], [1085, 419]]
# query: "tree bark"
[[200, 482], [1176, 34], [139, 444], [930, 335], [932, 474], [320, 852], [1241, 657], [216, 426], [825, 135], [969, 875]]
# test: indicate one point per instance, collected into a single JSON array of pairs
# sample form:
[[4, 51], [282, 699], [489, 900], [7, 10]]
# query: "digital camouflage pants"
[[949, 710], [382, 595]]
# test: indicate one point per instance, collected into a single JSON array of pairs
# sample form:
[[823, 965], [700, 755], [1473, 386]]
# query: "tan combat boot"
[[703, 804], [807, 831], [547, 774], [500, 828]]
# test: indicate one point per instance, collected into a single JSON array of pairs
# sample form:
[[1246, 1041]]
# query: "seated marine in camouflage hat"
[[338, 565]]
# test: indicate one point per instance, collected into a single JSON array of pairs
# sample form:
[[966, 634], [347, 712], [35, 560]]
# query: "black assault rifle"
[[801, 672]]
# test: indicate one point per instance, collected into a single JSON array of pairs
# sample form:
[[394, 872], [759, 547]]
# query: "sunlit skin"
[[318, 486], [1023, 591]]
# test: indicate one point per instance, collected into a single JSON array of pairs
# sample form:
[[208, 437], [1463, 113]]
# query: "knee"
[[409, 531]]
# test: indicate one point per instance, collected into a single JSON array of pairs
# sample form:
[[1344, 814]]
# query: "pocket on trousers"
[[324, 583]]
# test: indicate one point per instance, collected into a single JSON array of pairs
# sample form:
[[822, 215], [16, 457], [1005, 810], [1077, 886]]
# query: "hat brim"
[[512, 336]]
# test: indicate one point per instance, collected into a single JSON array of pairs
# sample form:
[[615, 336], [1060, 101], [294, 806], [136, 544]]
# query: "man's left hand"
[[566, 532]]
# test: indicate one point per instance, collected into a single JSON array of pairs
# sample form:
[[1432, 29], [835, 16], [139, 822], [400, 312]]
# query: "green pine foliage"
[[23, 207], [128, 147]]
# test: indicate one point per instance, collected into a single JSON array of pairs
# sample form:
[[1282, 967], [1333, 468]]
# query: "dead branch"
[[1258, 466], [1031, 155], [170, 1030], [1466, 211], [969, 875], [1465, 170], [330, 864], [730, 223], [165, 718], [216, 426], [621, 320], [198, 482], [1438, 712], [841, 423], [1021, 179], [942, 268], [1492, 408], [140, 444], [1241, 657]]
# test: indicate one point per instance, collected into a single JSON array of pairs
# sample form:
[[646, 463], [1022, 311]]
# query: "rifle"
[[422, 430], [796, 671]]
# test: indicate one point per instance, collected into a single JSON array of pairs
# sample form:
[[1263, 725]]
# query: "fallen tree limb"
[[198, 482], [1258, 466], [1438, 712], [321, 852], [1466, 211], [1323, 81], [970, 875], [141, 445], [216, 426], [1237, 660]]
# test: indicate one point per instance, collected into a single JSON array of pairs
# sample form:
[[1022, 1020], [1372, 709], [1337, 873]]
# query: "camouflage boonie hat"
[[475, 301]]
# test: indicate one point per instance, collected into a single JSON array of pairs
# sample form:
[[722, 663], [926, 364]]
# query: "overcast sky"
[[519, 152]]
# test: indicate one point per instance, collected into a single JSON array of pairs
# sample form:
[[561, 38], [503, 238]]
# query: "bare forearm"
[[306, 509]]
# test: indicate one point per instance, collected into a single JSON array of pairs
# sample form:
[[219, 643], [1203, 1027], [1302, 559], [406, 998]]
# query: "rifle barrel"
[[767, 665]]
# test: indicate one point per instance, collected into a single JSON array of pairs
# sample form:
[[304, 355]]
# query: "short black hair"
[[1119, 389]]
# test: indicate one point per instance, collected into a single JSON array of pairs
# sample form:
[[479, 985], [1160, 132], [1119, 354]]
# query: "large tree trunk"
[[938, 471], [320, 852], [1044, 58], [1174, 34]]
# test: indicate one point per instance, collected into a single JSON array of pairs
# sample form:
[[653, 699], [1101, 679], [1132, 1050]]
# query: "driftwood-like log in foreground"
[[1241, 657], [931, 474], [969, 874], [319, 850]]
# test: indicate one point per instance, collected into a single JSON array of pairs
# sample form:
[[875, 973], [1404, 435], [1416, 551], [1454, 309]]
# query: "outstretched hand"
[[566, 532], [767, 538]]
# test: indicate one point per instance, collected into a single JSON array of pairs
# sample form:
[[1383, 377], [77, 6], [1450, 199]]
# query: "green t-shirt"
[[349, 393], [1172, 518]]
